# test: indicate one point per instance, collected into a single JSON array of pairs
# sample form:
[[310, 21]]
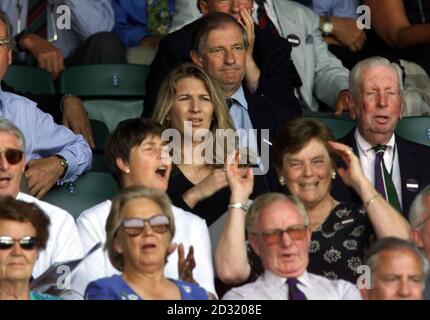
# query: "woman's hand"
[[215, 181], [240, 180], [352, 176]]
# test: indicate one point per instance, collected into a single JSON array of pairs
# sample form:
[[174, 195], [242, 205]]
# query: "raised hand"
[[240, 180], [353, 175]]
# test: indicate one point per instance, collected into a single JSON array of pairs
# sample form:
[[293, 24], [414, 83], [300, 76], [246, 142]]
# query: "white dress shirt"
[[269, 286], [391, 160], [190, 230], [64, 243]]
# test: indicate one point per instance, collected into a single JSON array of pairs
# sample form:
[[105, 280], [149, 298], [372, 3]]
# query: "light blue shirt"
[[87, 18], [241, 120], [336, 8], [44, 137]]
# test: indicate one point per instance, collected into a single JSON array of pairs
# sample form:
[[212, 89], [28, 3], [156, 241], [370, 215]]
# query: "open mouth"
[[4, 181], [149, 246], [382, 119], [161, 171]]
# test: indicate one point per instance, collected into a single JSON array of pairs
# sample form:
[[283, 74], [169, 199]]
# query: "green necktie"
[[388, 190], [158, 18]]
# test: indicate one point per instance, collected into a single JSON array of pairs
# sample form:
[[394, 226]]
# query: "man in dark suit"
[[268, 56], [376, 105]]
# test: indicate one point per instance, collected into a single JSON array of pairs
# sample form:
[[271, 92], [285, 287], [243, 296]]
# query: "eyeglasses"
[[26, 243], [13, 156], [134, 226], [274, 236]]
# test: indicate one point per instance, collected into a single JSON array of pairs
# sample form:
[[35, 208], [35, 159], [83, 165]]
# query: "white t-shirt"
[[64, 243], [190, 230]]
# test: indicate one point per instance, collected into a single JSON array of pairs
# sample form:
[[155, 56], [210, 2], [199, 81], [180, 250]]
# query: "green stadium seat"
[[339, 126], [416, 129], [88, 190], [32, 79], [111, 92]]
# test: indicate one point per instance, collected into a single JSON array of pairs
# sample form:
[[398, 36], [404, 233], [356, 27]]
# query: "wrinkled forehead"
[[279, 214], [380, 76]]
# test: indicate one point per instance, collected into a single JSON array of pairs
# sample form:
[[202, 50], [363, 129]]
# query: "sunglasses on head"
[[26, 243], [134, 226], [13, 156], [274, 236]]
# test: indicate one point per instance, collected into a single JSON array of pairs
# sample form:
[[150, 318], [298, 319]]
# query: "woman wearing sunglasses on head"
[[23, 233], [139, 229]]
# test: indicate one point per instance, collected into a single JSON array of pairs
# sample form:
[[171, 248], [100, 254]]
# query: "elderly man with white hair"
[[279, 233]]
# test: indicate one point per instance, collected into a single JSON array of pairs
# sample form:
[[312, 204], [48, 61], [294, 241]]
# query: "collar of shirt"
[[276, 282], [365, 148], [239, 97]]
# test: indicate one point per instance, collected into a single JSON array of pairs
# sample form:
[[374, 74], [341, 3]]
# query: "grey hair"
[[417, 208], [355, 76], [392, 244], [5, 19], [9, 127], [266, 199]]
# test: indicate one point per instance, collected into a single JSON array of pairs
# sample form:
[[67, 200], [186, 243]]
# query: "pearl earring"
[[127, 171], [333, 175], [282, 181]]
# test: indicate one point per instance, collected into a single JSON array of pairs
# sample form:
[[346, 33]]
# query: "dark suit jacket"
[[271, 54], [414, 168]]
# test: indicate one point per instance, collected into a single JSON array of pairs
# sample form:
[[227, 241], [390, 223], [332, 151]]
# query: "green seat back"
[[340, 127], [105, 80], [416, 129], [32, 79], [88, 190]]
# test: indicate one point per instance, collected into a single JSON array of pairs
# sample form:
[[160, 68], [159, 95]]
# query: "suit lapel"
[[408, 171]]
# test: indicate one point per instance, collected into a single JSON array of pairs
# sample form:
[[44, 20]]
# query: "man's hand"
[[42, 175], [48, 57], [75, 118], [343, 102], [252, 71], [346, 32]]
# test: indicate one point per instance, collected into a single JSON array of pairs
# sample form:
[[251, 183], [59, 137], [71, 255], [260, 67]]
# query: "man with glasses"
[[419, 218], [64, 243], [278, 231], [54, 153]]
